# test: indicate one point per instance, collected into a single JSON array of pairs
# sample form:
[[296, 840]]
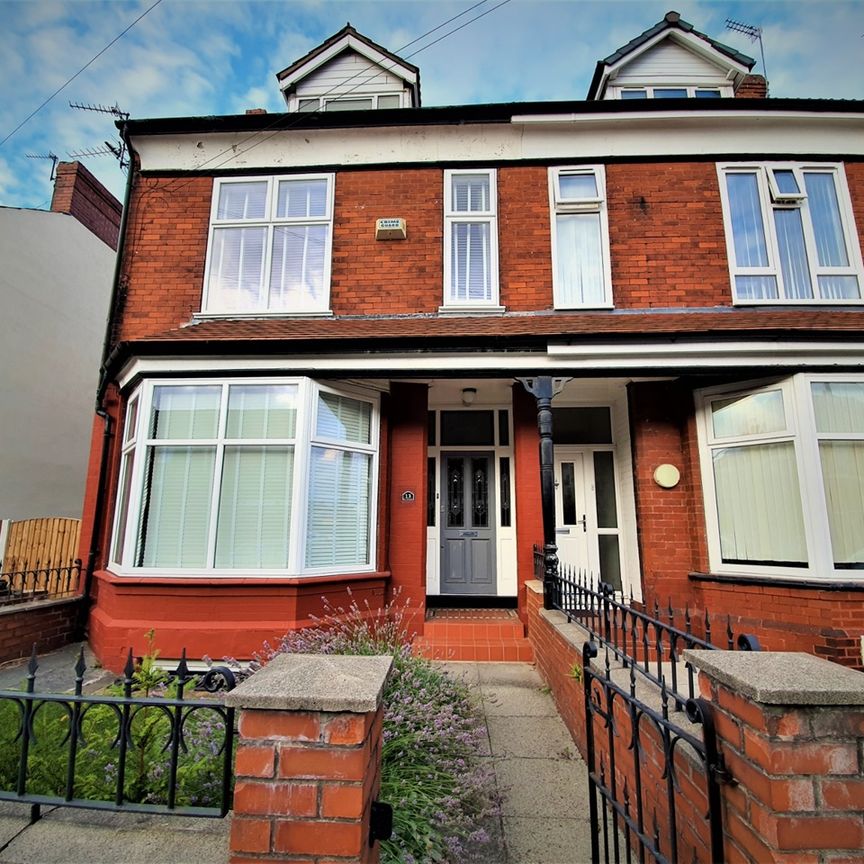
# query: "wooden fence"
[[41, 544]]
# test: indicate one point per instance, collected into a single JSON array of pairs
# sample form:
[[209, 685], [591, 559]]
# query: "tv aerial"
[[49, 155], [754, 34], [118, 150]]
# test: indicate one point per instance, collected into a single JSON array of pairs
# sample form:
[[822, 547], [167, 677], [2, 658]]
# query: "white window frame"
[[135, 442], [562, 206], [323, 101], [724, 90], [454, 217], [801, 431], [771, 198], [270, 222]]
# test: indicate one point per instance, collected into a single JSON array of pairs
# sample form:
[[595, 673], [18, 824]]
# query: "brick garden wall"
[[50, 624], [790, 730]]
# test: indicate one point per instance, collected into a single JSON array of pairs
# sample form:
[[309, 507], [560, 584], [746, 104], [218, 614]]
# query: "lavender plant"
[[430, 771]]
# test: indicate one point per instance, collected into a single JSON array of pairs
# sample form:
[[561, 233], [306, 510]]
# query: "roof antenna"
[[753, 33], [49, 155], [118, 150]]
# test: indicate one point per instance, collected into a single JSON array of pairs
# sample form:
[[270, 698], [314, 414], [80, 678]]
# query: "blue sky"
[[188, 57]]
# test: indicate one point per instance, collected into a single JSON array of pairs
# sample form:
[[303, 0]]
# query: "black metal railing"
[[126, 752], [653, 644], [639, 794], [39, 583]]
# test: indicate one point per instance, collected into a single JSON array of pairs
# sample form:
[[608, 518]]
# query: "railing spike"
[[33, 665], [688, 624], [730, 636], [183, 668], [671, 613], [80, 666], [707, 627]]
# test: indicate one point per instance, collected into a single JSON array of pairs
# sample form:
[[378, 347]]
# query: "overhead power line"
[[89, 63]]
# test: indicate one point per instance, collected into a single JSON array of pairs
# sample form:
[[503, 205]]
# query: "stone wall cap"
[[782, 677], [315, 682]]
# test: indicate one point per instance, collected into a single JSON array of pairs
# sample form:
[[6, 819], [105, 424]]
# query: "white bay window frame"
[[270, 222], [137, 443], [456, 217], [772, 200], [563, 206], [800, 429]]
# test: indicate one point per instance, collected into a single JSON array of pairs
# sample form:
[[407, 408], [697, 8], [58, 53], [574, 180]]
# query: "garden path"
[[541, 777]]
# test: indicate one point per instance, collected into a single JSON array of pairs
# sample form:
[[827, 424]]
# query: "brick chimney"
[[78, 193], [752, 87]]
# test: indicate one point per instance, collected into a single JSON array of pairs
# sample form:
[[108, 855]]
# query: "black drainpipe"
[[108, 434]]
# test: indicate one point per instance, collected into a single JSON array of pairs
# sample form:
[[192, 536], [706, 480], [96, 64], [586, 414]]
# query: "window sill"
[[235, 581], [799, 303], [584, 308], [471, 310], [833, 583], [237, 313]]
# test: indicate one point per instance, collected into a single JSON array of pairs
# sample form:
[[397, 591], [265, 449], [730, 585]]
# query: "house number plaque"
[[408, 496]]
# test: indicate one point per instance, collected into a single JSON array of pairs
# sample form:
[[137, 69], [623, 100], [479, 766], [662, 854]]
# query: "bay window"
[[269, 245], [470, 239], [581, 274], [268, 475], [783, 473], [790, 233]]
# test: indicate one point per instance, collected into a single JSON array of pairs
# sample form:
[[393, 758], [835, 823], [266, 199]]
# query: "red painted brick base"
[[50, 625]]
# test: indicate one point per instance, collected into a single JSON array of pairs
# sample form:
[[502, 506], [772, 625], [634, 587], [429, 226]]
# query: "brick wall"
[[406, 544], [790, 730], [50, 624], [78, 193], [668, 247]]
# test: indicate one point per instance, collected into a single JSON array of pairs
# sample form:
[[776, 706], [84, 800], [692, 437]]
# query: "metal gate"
[[654, 785]]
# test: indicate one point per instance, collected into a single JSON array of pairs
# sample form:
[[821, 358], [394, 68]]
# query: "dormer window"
[[349, 72], [350, 103], [672, 92]]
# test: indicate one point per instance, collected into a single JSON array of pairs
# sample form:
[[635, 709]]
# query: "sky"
[[191, 58]]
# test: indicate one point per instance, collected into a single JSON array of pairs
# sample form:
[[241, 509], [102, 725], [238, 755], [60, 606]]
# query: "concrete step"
[[473, 634]]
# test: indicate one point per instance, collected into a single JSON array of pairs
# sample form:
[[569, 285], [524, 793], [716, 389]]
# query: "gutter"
[[108, 433]]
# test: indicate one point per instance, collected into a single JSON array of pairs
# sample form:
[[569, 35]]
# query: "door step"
[[485, 635]]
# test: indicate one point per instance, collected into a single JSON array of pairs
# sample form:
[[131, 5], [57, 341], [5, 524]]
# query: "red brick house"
[[329, 325]]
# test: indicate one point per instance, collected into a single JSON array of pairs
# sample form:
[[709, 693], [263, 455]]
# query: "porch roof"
[[538, 327]]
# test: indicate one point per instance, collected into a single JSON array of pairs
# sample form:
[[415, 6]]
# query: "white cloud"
[[190, 57]]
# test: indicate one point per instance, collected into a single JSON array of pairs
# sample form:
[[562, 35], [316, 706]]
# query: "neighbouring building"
[[54, 288], [331, 325]]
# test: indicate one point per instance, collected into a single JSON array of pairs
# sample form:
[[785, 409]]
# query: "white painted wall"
[[55, 283]]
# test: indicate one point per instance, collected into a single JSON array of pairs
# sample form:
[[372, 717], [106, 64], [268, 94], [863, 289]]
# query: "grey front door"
[[467, 524]]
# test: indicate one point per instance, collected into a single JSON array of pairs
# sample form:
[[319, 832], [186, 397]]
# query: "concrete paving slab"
[[462, 670], [547, 841], [531, 737], [13, 819], [516, 674], [56, 671], [506, 700], [555, 787], [65, 835]]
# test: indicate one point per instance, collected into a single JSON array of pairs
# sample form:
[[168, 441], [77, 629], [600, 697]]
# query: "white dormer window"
[[350, 103], [670, 92]]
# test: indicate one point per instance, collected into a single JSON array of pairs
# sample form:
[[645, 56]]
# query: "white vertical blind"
[[237, 268], [839, 410], [759, 504], [337, 531], [175, 512], [793, 254], [745, 208]]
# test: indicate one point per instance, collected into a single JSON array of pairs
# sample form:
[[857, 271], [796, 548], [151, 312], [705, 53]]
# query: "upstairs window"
[[269, 246], [673, 92], [350, 103], [580, 237], [470, 239], [790, 234]]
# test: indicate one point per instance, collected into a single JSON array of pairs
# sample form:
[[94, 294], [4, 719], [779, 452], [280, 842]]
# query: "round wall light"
[[666, 476]]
